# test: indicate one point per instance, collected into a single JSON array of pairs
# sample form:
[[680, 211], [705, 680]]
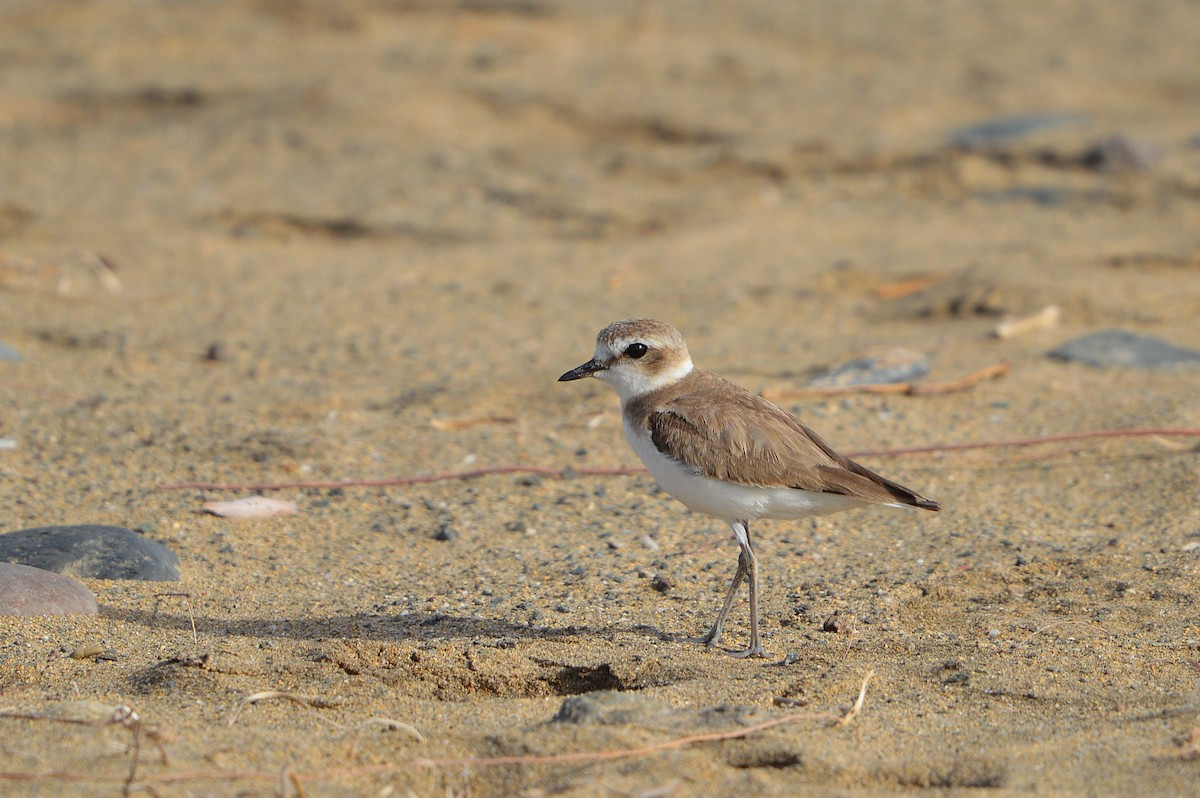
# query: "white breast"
[[729, 500]]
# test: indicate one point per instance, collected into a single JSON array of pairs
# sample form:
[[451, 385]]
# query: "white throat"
[[630, 383]]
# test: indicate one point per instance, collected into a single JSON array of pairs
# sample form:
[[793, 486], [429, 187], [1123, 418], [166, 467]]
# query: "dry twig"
[[449, 424], [993, 372], [312, 702], [420, 480], [565, 473], [666, 745], [122, 715], [187, 598], [1046, 317], [1049, 626], [909, 286], [1014, 442]]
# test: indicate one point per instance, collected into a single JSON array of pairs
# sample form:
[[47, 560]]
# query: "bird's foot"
[[755, 651], [705, 640], [711, 638]]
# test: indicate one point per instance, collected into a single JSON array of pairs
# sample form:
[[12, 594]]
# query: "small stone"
[[662, 583], [774, 754], [880, 367], [91, 551], [1121, 348], [610, 707], [650, 543], [217, 352], [33, 591], [8, 353], [445, 532], [839, 623]]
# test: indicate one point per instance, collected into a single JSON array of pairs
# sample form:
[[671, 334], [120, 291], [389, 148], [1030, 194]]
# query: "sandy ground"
[[378, 215]]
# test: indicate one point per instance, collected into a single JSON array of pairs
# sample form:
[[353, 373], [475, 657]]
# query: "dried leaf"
[[251, 507]]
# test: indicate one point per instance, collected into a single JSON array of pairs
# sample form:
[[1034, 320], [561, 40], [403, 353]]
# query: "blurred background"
[[409, 210]]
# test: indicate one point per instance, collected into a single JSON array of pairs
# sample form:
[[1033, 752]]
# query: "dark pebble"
[[217, 352], [1121, 153], [1121, 348], [839, 623], [91, 551], [445, 532], [662, 583], [33, 591]]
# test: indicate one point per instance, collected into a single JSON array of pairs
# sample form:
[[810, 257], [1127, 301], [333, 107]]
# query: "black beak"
[[586, 370]]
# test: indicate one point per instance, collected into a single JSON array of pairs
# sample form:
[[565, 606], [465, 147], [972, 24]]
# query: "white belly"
[[729, 500]]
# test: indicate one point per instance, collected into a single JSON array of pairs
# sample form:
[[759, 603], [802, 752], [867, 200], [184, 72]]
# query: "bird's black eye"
[[636, 350]]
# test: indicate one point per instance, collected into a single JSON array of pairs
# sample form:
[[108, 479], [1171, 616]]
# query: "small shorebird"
[[725, 451]]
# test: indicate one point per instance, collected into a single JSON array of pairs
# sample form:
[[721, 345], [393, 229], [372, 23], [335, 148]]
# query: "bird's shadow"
[[412, 627]]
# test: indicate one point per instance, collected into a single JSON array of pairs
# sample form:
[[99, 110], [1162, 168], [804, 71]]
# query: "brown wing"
[[752, 442]]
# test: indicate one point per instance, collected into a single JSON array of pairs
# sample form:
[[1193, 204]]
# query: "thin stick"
[[622, 472], [187, 597], [1049, 626], [849, 717], [679, 742], [420, 480], [315, 702], [1070, 436], [621, 753]]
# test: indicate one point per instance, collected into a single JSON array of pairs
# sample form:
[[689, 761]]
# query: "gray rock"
[[8, 353], [91, 551], [1121, 348], [32, 591], [879, 368], [1007, 129], [608, 707]]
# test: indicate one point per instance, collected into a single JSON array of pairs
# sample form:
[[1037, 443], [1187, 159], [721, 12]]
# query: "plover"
[[725, 451]]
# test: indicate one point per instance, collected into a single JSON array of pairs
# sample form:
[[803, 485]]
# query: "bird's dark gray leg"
[[741, 530], [714, 634]]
